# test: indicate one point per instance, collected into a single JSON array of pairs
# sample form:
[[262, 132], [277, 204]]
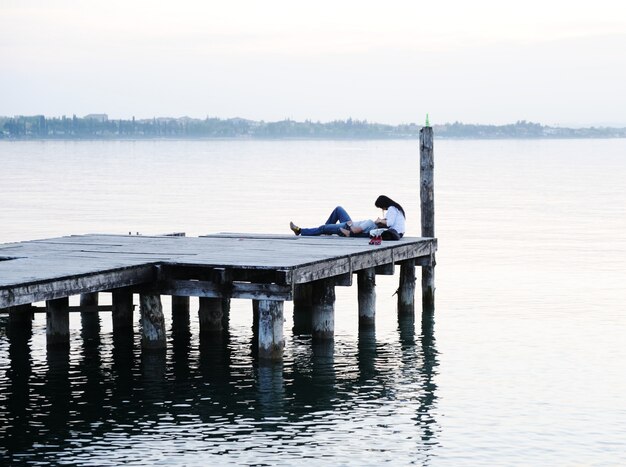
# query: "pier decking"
[[269, 269]]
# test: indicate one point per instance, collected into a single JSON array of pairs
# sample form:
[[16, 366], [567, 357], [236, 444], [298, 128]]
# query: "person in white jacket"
[[394, 218]]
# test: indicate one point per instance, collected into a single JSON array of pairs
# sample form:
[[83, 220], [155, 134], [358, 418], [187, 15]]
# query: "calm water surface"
[[524, 363]]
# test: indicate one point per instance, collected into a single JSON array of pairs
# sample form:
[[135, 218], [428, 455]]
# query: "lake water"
[[525, 363]]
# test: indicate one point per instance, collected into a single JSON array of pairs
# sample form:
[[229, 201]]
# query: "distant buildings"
[[98, 126], [97, 117]]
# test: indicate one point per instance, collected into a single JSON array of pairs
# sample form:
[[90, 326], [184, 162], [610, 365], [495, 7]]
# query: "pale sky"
[[552, 62]]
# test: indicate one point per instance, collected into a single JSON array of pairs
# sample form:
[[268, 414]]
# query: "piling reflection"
[[91, 375], [270, 389], [424, 418], [14, 418], [367, 355], [111, 386], [57, 395], [181, 344], [214, 393]]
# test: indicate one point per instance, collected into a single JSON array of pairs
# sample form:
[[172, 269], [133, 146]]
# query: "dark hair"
[[384, 202]]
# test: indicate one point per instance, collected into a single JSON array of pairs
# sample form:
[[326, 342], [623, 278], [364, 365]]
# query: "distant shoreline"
[[98, 127], [233, 139]]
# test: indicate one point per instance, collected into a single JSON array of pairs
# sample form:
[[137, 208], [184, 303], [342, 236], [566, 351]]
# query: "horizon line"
[[208, 117]]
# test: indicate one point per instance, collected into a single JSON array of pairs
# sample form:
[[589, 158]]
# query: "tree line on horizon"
[[99, 126]]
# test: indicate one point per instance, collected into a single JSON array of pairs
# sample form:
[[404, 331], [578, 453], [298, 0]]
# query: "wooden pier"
[[267, 269]]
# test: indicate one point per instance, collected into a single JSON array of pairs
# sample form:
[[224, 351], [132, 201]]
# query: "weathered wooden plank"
[[424, 260], [321, 270], [198, 272], [343, 280], [73, 309], [207, 289], [404, 252], [372, 258], [385, 269], [64, 287]]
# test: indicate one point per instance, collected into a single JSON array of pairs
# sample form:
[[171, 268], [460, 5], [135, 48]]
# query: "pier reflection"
[[109, 389], [57, 399], [15, 419], [426, 353]]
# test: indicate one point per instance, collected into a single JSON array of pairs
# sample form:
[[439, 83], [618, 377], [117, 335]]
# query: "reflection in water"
[[15, 426], [424, 418], [57, 394], [108, 399], [271, 389]]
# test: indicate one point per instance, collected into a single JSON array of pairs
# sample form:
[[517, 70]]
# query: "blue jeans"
[[338, 219]]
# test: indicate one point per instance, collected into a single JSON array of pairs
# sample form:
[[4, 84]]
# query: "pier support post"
[[428, 287], [20, 320], [406, 289], [210, 315], [122, 311], [225, 312], [302, 309], [271, 341], [180, 315], [152, 322], [180, 305], [323, 301], [89, 299], [255, 319], [90, 319], [427, 200], [58, 322], [366, 283]]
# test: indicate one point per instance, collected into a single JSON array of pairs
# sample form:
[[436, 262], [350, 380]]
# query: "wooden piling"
[[89, 299], [271, 341], [90, 320], [122, 310], [210, 315], [180, 315], [302, 309], [427, 199], [366, 284], [20, 318], [323, 302], [255, 319], [406, 289], [225, 312], [152, 322], [180, 305], [58, 322]]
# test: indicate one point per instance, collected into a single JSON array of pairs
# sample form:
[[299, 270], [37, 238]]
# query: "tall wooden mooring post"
[[427, 203]]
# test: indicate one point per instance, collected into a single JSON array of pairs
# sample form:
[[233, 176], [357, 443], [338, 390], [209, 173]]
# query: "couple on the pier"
[[392, 224]]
